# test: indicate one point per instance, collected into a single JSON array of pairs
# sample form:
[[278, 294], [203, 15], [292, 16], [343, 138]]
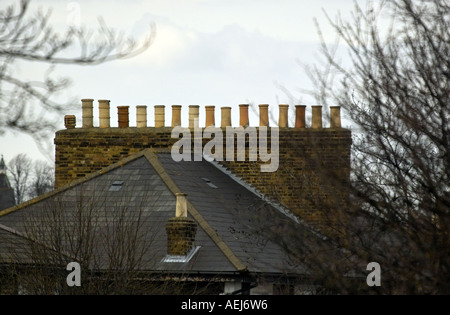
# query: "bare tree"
[[19, 171], [117, 244], [395, 90], [29, 178], [27, 106], [393, 84], [43, 178]]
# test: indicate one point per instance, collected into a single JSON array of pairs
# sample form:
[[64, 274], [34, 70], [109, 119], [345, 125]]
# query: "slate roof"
[[137, 197]]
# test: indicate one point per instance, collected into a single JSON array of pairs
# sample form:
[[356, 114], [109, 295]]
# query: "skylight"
[[208, 182], [181, 258], [116, 185]]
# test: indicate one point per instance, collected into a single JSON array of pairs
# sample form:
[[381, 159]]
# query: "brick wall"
[[81, 151], [312, 178]]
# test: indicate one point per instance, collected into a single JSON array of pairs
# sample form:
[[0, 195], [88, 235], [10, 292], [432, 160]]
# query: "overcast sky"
[[206, 52]]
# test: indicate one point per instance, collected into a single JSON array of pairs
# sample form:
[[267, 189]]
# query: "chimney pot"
[[176, 115], [160, 118], [283, 116], [209, 113], [122, 113], [264, 115], [141, 116], [193, 114], [181, 206], [103, 113], [225, 117], [70, 121], [300, 116], [87, 108], [243, 115], [335, 117], [316, 119]]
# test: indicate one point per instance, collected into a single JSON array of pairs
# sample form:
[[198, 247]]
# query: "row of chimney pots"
[[159, 111]]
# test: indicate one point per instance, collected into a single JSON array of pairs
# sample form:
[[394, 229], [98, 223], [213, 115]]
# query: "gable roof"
[[143, 187]]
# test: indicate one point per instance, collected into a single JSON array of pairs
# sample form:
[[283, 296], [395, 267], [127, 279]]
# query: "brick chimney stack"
[[180, 229]]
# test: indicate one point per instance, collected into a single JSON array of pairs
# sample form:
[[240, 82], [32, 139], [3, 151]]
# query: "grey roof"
[[137, 197]]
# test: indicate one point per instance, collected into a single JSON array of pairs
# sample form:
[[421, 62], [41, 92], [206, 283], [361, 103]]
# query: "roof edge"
[[74, 183]]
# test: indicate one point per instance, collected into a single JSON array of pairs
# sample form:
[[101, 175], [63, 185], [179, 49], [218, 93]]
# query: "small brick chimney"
[[180, 230]]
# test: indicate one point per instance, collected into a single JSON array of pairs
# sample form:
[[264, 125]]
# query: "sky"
[[205, 52]]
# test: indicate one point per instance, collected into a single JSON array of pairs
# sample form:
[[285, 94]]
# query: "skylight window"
[[181, 258], [116, 185], [208, 182]]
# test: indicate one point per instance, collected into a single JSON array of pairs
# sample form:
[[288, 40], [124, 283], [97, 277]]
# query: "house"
[[6, 192], [130, 215]]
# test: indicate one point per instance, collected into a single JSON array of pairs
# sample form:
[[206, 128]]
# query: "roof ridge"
[[156, 164]]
